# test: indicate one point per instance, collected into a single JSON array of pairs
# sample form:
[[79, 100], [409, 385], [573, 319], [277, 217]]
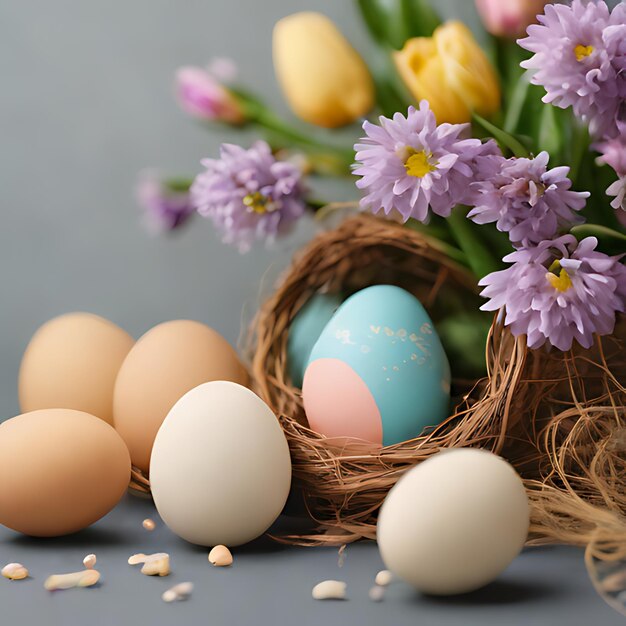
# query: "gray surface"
[[85, 103], [271, 584]]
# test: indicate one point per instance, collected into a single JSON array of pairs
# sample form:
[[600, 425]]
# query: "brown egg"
[[163, 366], [63, 470], [72, 362]]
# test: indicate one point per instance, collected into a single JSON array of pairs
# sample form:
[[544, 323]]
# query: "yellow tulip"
[[450, 71], [323, 78]]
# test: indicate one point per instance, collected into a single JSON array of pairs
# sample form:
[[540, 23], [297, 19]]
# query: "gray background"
[[85, 103]]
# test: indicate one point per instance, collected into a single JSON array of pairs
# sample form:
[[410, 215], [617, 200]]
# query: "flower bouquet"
[[498, 177]]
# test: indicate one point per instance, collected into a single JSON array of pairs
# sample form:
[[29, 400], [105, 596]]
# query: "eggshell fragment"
[[329, 590], [181, 591], [90, 561], [84, 578], [220, 556], [383, 578], [14, 571]]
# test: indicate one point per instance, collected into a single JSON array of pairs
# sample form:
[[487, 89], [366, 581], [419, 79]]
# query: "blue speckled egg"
[[305, 330], [378, 370]]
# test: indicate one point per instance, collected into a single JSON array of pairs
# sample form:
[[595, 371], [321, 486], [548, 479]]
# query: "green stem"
[[516, 105], [326, 158], [479, 256], [503, 138], [440, 236], [580, 145], [178, 184]]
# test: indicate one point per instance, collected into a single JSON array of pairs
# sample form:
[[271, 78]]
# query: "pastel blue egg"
[[305, 330], [385, 335]]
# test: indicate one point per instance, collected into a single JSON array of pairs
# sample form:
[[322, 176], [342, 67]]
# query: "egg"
[[304, 331], [165, 363], [453, 523], [72, 362], [378, 371], [63, 470], [220, 471]]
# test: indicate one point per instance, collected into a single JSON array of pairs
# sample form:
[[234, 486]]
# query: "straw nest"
[[560, 418]]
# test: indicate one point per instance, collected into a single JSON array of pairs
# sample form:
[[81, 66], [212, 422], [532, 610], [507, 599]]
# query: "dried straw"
[[559, 418]]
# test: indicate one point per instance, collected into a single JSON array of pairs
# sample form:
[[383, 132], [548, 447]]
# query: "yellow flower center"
[[558, 277], [582, 52], [418, 163], [258, 203]]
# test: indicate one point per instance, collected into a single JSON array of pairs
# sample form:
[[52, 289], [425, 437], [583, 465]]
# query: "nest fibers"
[[558, 417]]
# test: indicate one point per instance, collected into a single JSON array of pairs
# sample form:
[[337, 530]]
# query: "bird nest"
[[559, 418]]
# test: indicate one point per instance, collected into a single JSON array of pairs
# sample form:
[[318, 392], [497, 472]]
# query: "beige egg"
[[63, 470], [72, 362], [454, 522], [168, 361], [220, 470]]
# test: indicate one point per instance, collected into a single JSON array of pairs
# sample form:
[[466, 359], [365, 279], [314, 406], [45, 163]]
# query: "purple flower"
[[248, 194], [165, 203], [558, 291], [408, 163], [613, 153], [580, 60], [201, 94], [526, 200]]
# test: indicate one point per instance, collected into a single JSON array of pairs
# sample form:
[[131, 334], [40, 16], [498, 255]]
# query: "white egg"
[[453, 523], [220, 469]]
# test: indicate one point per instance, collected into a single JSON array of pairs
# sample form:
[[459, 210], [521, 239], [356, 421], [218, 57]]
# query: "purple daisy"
[[248, 194], [165, 203], [407, 164], [526, 200], [558, 291], [613, 153], [580, 58]]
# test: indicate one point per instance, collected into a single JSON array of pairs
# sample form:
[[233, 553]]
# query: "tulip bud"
[[323, 78], [200, 94], [509, 18], [450, 71]]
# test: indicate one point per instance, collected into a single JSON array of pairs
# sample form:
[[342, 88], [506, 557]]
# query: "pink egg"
[[338, 403]]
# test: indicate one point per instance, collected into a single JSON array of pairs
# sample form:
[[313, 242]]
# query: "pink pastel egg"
[[338, 403]]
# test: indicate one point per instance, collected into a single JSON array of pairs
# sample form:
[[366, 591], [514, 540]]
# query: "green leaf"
[[390, 95], [392, 22], [419, 17], [374, 17], [442, 235], [508, 58], [515, 106], [506, 140], [550, 136], [579, 144], [609, 241], [479, 254], [497, 241], [599, 231], [595, 179], [396, 27], [464, 336]]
